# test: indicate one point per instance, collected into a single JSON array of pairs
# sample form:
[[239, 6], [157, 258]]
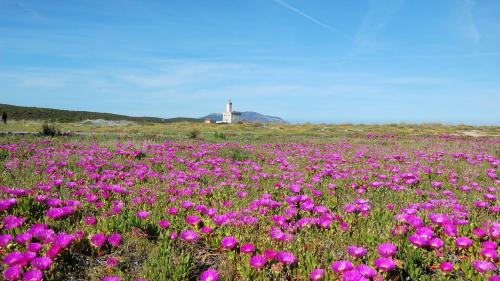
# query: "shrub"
[[194, 134], [50, 131]]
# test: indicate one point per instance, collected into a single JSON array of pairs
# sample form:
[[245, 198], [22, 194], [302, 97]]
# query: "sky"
[[318, 61]]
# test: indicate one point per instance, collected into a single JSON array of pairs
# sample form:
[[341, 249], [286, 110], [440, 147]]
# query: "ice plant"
[[356, 252], [387, 250], [115, 239], [209, 275], [341, 266], [97, 240], [384, 264], [189, 236], [317, 274], [257, 261], [228, 243]]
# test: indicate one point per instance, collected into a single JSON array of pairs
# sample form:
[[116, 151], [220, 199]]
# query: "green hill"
[[68, 116]]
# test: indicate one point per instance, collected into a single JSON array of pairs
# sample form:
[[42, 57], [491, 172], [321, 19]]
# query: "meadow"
[[250, 202]]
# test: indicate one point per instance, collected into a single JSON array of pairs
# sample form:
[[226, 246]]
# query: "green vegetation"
[[68, 116]]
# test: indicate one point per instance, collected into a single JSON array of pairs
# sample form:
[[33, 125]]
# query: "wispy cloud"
[[469, 25], [301, 13], [375, 21]]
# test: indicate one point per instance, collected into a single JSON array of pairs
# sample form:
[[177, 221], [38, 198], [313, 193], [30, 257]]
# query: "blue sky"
[[303, 60]]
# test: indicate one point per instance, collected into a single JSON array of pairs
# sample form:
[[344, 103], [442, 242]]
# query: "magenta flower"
[[270, 255], [365, 270], [341, 266], [98, 240], [7, 203], [446, 267], [209, 275], [90, 220], [247, 248], [11, 222], [353, 275], [483, 266], [142, 215], [112, 262], [13, 258], [385, 264], [33, 275], [23, 238], [5, 239], [387, 250], [489, 245], [286, 258], [41, 263], [34, 247], [317, 274], [356, 252], [489, 253], [436, 243], [164, 224], [463, 242], [479, 232], [189, 236], [115, 240], [12, 273], [258, 261], [192, 220], [418, 241], [228, 243], [495, 230]]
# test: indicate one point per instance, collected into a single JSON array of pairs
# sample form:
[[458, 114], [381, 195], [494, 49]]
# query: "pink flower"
[[189, 236], [258, 261], [247, 248], [13, 258], [317, 274], [41, 263], [483, 266], [341, 266], [385, 264], [12, 273], [142, 215], [98, 240], [463, 242], [33, 275], [228, 242], [209, 275], [446, 267], [356, 252], [164, 224], [115, 240], [387, 250]]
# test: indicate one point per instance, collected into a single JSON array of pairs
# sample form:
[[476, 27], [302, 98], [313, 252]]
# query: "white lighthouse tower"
[[230, 116]]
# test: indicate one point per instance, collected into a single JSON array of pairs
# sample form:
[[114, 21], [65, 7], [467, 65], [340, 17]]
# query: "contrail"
[[293, 9]]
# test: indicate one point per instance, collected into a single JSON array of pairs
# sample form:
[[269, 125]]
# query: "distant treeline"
[[68, 116]]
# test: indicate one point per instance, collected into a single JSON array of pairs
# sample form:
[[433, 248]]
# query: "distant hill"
[[68, 116], [249, 116]]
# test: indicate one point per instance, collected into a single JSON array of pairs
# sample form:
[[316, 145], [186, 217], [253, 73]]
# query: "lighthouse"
[[230, 116]]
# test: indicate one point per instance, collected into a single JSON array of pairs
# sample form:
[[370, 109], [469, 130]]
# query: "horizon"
[[362, 62]]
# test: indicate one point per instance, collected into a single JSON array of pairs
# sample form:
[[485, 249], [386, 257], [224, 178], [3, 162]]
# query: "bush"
[[194, 134], [218, 135], [50, 131]]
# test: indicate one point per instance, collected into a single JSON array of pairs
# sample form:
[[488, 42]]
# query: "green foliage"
[[219, 135], [169, 262], [67, 116], [194, 134], [50, 131]]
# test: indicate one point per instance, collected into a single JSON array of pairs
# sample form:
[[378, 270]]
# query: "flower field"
[[374, 207]]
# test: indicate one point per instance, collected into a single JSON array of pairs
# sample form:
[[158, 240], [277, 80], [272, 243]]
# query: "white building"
[[230, 116]]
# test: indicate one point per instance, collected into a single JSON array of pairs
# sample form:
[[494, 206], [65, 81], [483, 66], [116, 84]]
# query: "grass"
[[162, 165]]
